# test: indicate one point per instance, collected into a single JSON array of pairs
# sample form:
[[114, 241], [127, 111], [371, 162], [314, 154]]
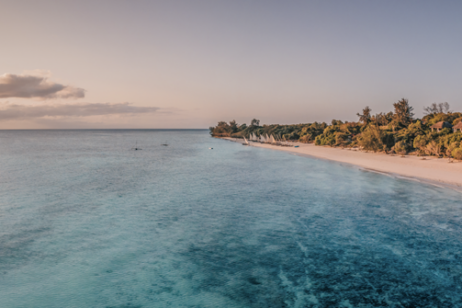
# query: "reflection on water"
[[85, 222]]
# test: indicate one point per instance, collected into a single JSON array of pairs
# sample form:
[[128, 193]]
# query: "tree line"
[[393, 132]]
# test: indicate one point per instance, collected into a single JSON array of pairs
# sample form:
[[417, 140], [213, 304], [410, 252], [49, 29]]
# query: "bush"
[[341, 139], [451, 147], [373, 139], [445, 131], [456, 121], [317, 141], [457, 153], [401, 148], [306, 138], [325, 139], [420, 142], [433, 148]]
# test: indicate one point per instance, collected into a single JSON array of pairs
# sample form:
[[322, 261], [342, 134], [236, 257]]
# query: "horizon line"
[[24, 129]]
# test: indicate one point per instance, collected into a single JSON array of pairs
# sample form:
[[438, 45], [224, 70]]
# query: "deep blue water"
[[87, 222]]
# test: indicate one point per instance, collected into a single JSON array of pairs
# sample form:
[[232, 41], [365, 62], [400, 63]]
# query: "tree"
[[420, 143], [400, 148], [403, 112], [255, 122], [366, 116], [457, 153], [450, 148], [221, 130], [433, 148], [382, 119], [437, 108], [233, 125], [372, 139]]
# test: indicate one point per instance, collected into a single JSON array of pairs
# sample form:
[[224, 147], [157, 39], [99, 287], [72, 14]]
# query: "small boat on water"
[[136, 148], [246, 142]]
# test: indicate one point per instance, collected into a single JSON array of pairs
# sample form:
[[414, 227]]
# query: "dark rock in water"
[[253, 281]]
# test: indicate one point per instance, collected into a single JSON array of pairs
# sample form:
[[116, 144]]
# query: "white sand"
[[432, 169]]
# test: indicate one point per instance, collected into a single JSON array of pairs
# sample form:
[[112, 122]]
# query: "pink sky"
[[189, 64]]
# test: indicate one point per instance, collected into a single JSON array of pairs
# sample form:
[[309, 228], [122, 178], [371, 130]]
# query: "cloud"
[[14, 111], [36, 86]]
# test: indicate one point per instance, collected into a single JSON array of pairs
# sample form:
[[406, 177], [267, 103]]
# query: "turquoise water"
[[87, 222]]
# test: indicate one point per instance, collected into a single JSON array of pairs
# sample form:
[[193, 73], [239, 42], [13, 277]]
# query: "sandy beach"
[[431, 169]]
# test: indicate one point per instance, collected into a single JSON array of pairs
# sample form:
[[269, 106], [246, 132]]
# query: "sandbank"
[[428, 168]]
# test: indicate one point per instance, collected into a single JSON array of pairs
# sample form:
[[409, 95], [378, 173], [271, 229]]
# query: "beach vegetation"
[[433, 148], [255, 122], [403, 112], [437, 108], [401, 147], [395, 131], [374, 139], [365, 116], [420, 144], [457, 153]]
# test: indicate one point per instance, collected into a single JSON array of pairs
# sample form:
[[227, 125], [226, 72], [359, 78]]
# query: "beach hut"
[[440, 125], [458, 126]]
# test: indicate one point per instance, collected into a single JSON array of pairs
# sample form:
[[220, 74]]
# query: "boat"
[[136, 148], [246, 142], [273, 141]]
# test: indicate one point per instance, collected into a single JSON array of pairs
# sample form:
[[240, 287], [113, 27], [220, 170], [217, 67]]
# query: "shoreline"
[[431, 170]]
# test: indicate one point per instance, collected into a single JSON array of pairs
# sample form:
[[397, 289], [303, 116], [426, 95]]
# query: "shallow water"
[[87, 222]]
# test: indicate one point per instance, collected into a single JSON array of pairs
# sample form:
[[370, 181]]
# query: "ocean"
[[86, 221]]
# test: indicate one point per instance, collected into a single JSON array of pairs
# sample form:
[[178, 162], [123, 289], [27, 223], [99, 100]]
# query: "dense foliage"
[[393, 132]]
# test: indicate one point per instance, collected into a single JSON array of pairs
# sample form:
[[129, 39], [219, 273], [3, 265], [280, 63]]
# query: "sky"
[[190, 64]]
